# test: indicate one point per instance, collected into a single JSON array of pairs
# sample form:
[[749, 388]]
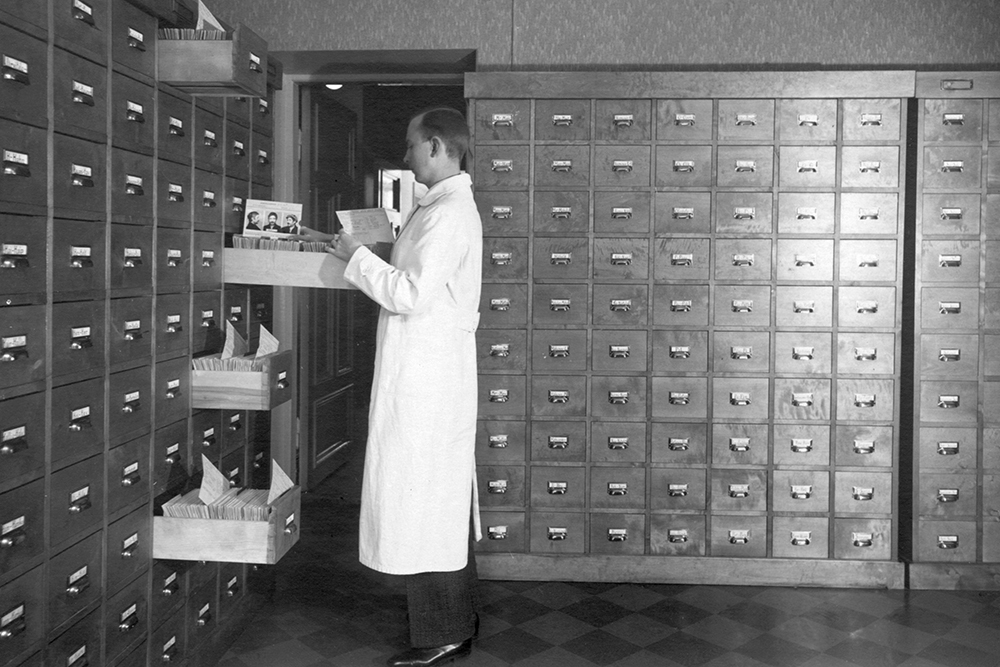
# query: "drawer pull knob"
[[746, 120], [864, 447], [742, 306], [499, 396], [76, 589], [681, 260], [870, 167], [16, 164], [952, 214], [622, 166], [500, 304], [617, 534], [950, 307], [744, 213], [81, 181], [677, 490], [562, 166], [680, 352], [262, 158], [680, 306], [501, 258], [77, 425], [947, 495], [135, 116], [803, 400], [501, 212], [557, 534], [135, 41], [561, 258], [621, 213], [679, 398], [500, 350], [743, 260], [617, 443], [14, 352], [238, 149], [558, 396], [558, 488], [14, 441], [802, 445], [562, 120], [14, 537], [947, 448], [561, 212], [801, 491], [739, 536], [683, 166], [685, 119], [131, 479], [502, 120], [862, 540], [739, 445], [81, 504], [947, 542], [679, 444], [682, 213], [952, 166], [174, 327], [871, 120], [208, 202], [497, 532], [808, 120], [16, 626], [559, 305], [176, 129], [621, 259], [16, 71], [618, 397], [745, 166], [953, 119], [134, 189], [804, 306], [623, 120], [739, 398], [869, 214], [502, 166], [290, 527], [806, 213], [805, 260], [867, 307], [617, 489], [84, 13], [172, 459], [949, 402], [803, 353], [865, 353], [558, 442], [619, 351], [209, 139], [801, 538], [255, 64], [949, 261], [864, 400], [498, 486], [863, 493], [677, 535], [204, 619]]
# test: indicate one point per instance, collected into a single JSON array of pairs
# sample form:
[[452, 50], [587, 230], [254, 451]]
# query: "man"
[[272, 222], [419, 479]]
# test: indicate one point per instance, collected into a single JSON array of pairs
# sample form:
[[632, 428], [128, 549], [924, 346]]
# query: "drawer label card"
[[208, 432], [77, 576], [79, 493], [498, 486], [135, 34], [131, 539], [677, 535], [497, 532], [132, 325], [947, 541], [133, 253], [14, 433], [209, 135], [173, 319], [209, 195], [498, 441], [169, 644], [684, 119], [232, 582], [15, 64], [682, 213], [79, 653], [746, 119], [204, 610], [128, 612], [948, 213], [130, 468], [132, 397], [18, 249], [83, 7], [871, 119], [558, 442], [13, 525], [175, 188], [207, 314], [617, 488], [80, 251], [808, 119], [176, 122], [174, 448], [174, 253], [14, 156], [80, 332], [81, 170], [12, 615], [617, 534], [618, 442], [14, 341], [134, 107], [80, 413], [502, 212], [806, 213]]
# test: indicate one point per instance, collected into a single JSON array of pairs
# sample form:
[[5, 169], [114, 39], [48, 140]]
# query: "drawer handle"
[[952, 166], [561, 212], [808, 120], [502, 166], [557, 534], [562, 120], [742, 306], [501, 212], [79, 424], [14, 352], [953, 119], [262, 158], [135, 116], [81, 181], [13, 538], [947, 448], [952, 214], [677, 536], [208, 202], [865, 353], [134, 334], [172, 393], [739, 536], [497, 532], [81, 259], [76, 589], [172, 459], [956, 84], [136, 42], [79, 505], [808, 167], [682, 260], [864, 447], [499, 396], [679, 398], [558, 351], [559, 305], [617, 535], [739, 398], [500, 350], [744, 213], [947, 542], [562, 166], [803, 400], [745, 166], [862, 540], [16, 74], [15, 441], [949, 402], [232, 591], [500, 304], [131, 407], [868, 261], [15, 627], [685, 119], [134, 190], [255, 65], [804, 306], [558, 442], [870, 167], [176, 130], [801, 538], [677, 490], [11, 168], [621, 259], [949, 307], [83, 12], [617, 489], [502, 120], [739, 445], [622, 166], [864, 400], [949, 261], [871, 120], [558, 396], [238, 205], [210, 140], [238, 149], [805, 260], [207, 258], [623, 120], [290, 528], [680, 306], [208, 323], [947, 495], [558, 488], [204, 619], [746, 120], [176, 196], [680, 352], [619, 351], [803, 353], [282, 384], [682, 213], [683, 166], [743, 260], [869, 214], [801, 491], [174, 327], [561, 258], [679, 444], [617, 443], [867, 307], [801, 445], [14, 257], [129, 551], [863, 493], [806, 213], [621, 213], [618, 397]]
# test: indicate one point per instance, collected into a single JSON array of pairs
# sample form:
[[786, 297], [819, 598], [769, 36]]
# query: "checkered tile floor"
[[327, 610]]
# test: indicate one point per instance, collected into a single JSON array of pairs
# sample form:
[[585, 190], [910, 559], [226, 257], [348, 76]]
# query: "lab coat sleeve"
[[423, 272]]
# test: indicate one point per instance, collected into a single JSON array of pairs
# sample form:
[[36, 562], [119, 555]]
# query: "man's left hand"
[[343, 246]]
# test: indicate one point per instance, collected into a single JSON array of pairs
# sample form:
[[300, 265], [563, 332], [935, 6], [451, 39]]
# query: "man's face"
[[418, 153]]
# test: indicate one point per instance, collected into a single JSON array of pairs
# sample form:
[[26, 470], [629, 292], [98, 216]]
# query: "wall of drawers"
[[116, 196], [957, 324], [691, 317]]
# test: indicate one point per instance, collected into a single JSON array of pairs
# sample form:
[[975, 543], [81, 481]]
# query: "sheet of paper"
[[367, 225], [268, 344], [236, 345], [280, 482], [213, 482]]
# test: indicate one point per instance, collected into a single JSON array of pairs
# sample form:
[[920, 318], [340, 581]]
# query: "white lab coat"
[[419, 476]]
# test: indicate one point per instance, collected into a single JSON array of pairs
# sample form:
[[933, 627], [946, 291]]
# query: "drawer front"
[[871, 119], [80, 95], [801, 445], [207, 260], [237, 193], [173, 260], [77, 420], [132, 114], [684, 166], [865, 400], [558, 487], [869, 213], [800, 537], [743, 305], [499, 167], [622, 212], [202, 613], [867, 260], [21, 525], [133, 38], [560, 258], [681, 259], [990, 491], [992, 354], [502, 350], [619, 351], [952, 167], [951, 356], [176, 125], [502, 395], [803, 260], [862, 539], [237, 151], [84, 28], [125, 617], [170, 457], [677, 489], [739, 536], [261, 159], [952, 495], [622, 166], [131, 257], [806, 213], [802, 399], [22, 436], [501, 441], [622, 120], [128, 547], [560, 304], [502, 120], [559, 350], [683, 212], [739, 490], [503, 532], [684, 120], [953, 120], [864, 446], [869, 167], [505, 259], [174, 194], [168, 639], [557, 532], [561, 120], [807, 120], [804, 306], [78, 256], [745, 166], [862, 492], [949, 401], [617, 488], [171, 322], [77, 336], [621, 259], [132, 186], [946, 541], [208, 210], [866, 353], [22, 344], [739, 444], [23, 85], [238, 110], [208, 149], [206, 321], [992, 320], [678, 443], [741, 398], [801, 491], [232, 586], [77, 499], [617, 534], [949, 261], [562, 166], [234, 431], [808, 167], [952, 214], [563, 441], [949, 308], [130, 331], [680, 351], [172, 390], [948, 449], [677, 535], [563, 212], [206, 429], [742, 259], [803, 353], [680, 305], [743, 213], [559, 396], [129, 403], [75, 579], [503, 305], [680, 398], [233, 466], [22, 612], [79, 177], [746, 120], [867, 307], [503, 213], [993, 262], [617, 397], [618, 442]]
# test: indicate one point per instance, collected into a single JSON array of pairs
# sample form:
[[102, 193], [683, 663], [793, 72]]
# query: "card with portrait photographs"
[[272, 219]]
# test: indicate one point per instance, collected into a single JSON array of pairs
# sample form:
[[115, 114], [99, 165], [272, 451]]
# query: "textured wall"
[[642, 34]]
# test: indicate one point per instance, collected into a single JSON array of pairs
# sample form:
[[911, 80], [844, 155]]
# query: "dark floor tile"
[[925, 620], [756, 615], [513, 645], [726, 633], [600, 647], [556, 627], [988, 616], [332, 644], [951, 654], [675, 613], [841, 618], [596, 611], [809, 633], [516, 609], [556, 594], [685, 649], [775, 651], [265, 633], [632, 596], [867, 654], [639, 629]]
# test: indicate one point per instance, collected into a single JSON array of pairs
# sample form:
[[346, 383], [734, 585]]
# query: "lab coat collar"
[[443, 187]]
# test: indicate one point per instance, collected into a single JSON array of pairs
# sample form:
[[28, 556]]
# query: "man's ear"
[[436, 146]]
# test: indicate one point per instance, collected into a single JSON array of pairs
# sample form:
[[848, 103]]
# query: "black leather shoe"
[[425, 657]]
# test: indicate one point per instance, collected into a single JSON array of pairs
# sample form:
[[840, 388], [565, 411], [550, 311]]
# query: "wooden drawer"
[[950, 261], [950, 356], [677, 535], [741, 398], [948, 449], [128, 474], [800, 537], [618, 397], [680, 443], [560, 304], [745, 166], [681, 259], [84, 28], [170, 587], [680, 351], [951, 214], [867, 307], [171, 323], [125, 617], [232, 587], [237, 161], [684, 166], [618, 442], [743, 305], [128, 547], [621, 166], [558, 487], [871, 119], [208, 151], [622, 121], [501, 167], [621, 259], [802, 399], [867, 260], [129, 404], [559, 396], [502, 120], [807, 120], [620, 305], [869, 167], [507, 259], [207, 260], [801, 445], [742, 259], [743, 213], [803, 353], [77, 499], [78, 337], [559, 120], [863, 493], [170, 457], [25, 77], [681, 305], [502, 350], [619, 351], [503, 213], [174, 194], [866, 400], [739, 444], [502, 395], [949, 307], [131, 257], [75, 579], [22, 436], [176, 125], [501, 441], [742, 490], [562, 441], [746, 120], [132, 114], [801, 491], [862, 539], [681, 120], [808, 167], [173, 260], [21, 612], [503, 305], [21, 525], [683, 212], [680, 398], [237, 193], [804, 306], [678, 489], [206, 323], [172, 390], [739, 536], [206, 428], [130, 330], [866, 353], [867, 446], [78, 257], [564, 258], [617, 534], [559, 350], [501, 486], [503, 532], [806, 213], [208, 200], [805, 260], [77, 420], [945, 541], [79, 179], [948, 401], [621, 212], [557, 532], [562, 166], [952, 167], [22, 344], [133, 38], [951, 495]]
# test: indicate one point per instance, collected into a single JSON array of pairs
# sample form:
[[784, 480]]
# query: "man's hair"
[[448, 125]]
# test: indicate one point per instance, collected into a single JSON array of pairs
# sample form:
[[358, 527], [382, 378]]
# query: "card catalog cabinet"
[[95, 410], [956, 321], [692, 316]]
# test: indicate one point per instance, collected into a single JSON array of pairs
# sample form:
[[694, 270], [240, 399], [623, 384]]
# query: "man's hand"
[[314, 235], [343, 246]]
